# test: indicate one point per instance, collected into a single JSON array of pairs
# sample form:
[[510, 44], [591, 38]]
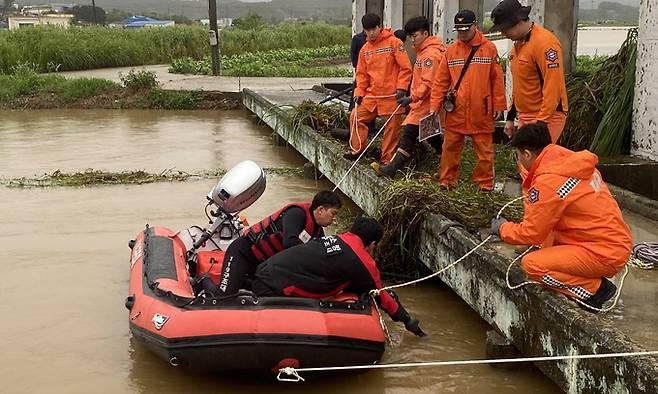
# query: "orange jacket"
[[429, 57], [383, 68], [482, 89], [567, 196], [538, 74]]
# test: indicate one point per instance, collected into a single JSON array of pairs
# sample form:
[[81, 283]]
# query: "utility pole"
[[213, 35], [93, 5]]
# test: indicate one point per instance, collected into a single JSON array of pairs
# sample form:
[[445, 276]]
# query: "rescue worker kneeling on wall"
[[326, 266], [292, 225], [568, 197], [429, 55]]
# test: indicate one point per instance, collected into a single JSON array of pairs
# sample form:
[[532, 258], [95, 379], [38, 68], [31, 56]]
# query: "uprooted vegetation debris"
[[319, 117], [92, 177]]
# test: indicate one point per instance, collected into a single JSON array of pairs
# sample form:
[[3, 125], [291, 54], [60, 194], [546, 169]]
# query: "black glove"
[[400, 93], [412, 325], [357, 99], [496, 222], [404, 101]]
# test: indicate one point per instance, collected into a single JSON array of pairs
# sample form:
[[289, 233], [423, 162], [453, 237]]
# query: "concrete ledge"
[[536, 321], [635, 202]]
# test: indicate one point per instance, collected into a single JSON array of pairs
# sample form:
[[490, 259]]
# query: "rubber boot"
[[606, 291], [399, 160]]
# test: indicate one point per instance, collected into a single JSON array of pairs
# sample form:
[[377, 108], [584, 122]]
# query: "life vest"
[[267, 237]]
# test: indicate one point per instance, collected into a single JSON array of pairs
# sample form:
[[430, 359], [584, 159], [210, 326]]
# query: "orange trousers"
[[453, 144], [569, 269], [555, 127], [359, 137]]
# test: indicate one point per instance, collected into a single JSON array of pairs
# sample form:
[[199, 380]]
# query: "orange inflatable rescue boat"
[[204, 333]]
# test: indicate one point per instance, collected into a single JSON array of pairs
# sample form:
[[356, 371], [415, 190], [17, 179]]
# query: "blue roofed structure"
[[136, 22]]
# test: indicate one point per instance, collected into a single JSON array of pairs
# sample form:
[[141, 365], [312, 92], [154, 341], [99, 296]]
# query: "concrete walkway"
[[202, 82]]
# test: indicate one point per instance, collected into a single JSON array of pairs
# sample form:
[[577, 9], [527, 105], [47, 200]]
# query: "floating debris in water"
[[92, 177]]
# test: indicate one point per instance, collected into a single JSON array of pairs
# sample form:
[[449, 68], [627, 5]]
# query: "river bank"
[[137, 90]]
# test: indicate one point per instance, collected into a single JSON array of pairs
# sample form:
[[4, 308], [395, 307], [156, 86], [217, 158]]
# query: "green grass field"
[[79, 48]]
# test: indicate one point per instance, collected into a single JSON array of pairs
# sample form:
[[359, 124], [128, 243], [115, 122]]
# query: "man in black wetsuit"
[[294, 224], [326, 266]]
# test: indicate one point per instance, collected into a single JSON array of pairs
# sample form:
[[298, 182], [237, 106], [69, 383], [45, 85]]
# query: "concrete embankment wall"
[[537, 322]]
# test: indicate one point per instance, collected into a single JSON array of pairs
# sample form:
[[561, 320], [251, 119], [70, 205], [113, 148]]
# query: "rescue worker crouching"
[[568, 197], [383, 74], [292, 225], [429, 56], [326, 266], [473, 95]]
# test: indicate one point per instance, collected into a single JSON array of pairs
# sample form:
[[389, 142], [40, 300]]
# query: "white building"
[[60, 20], [221, 22]]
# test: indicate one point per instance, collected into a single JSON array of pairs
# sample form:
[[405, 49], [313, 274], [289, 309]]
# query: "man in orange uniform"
[[539, 93], [383, 74], [472, 100], [567, 197], [429, 55]]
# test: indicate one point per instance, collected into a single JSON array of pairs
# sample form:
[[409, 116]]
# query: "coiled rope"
[[371, 141], [645, 255]]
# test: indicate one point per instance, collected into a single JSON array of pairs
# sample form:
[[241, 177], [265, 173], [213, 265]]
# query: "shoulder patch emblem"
[[428, 63], [401, 48], [551, 55], [533, 195]]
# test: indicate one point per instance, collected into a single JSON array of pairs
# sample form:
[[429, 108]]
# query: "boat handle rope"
[[294, 376]]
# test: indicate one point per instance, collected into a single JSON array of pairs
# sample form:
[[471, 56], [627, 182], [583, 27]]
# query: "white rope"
[[413, 282], [614, 303], [355, 124], [637, 263], [353, 127], [295, 371], [509, 268], [532, 282], [366, 149]]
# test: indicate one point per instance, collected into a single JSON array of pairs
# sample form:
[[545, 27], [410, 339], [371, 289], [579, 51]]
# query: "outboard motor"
[[240, 187]]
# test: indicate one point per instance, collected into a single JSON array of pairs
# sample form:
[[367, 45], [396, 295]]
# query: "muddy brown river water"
[[64, 261]]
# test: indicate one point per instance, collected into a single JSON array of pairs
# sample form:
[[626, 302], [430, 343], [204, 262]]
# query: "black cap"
[[464, 20], [507, 14]]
